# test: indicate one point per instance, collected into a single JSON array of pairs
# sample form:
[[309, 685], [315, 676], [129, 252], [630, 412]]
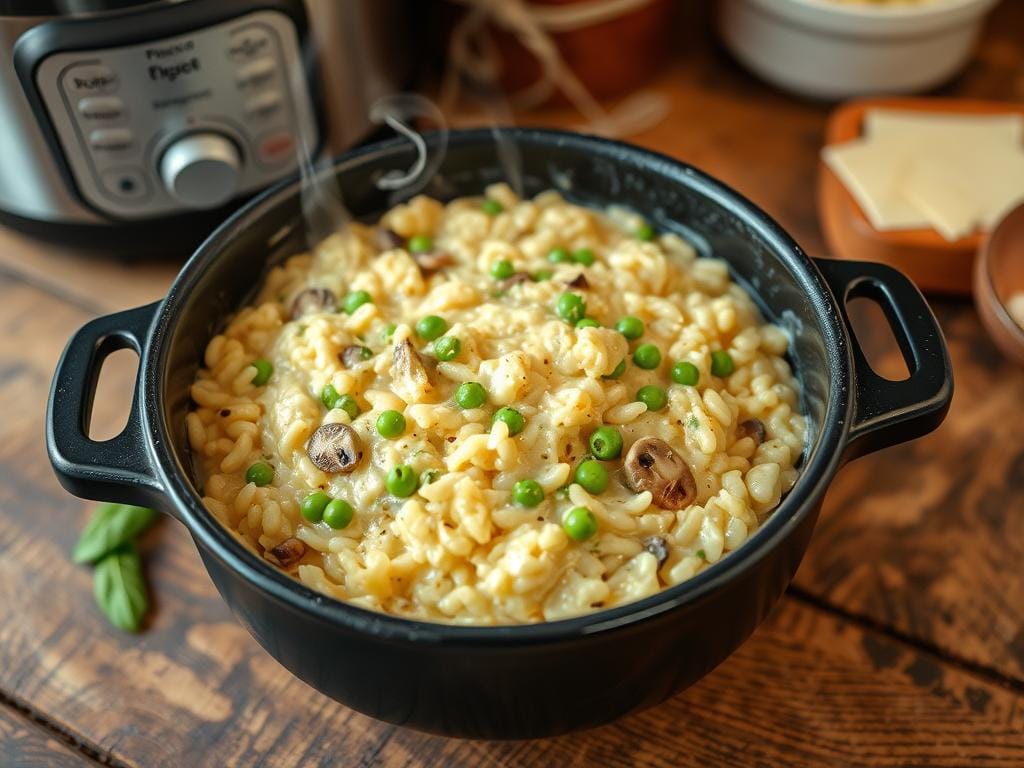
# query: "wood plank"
[[26, 744], [928, 537], [194, 689], [100, 283]]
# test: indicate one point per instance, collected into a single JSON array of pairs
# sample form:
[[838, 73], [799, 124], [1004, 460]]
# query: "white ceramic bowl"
[[831, 50]]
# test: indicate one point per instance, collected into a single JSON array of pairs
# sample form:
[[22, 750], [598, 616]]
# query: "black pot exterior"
[[516, 690], [519, 681]]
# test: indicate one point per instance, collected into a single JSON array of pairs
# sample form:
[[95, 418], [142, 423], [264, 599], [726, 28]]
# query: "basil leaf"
[[120, 589], [111, 526]]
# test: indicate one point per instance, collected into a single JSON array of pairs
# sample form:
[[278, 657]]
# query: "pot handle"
[[119, 469], [888, 412]]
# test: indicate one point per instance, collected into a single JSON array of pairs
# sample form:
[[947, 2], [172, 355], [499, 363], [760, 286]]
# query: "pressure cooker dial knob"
[[201, 170]]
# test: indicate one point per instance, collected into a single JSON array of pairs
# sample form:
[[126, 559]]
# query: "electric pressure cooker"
[[131, 122]]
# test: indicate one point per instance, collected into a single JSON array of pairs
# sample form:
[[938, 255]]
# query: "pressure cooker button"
[[248, 44], [126, 183], [90, 80], [275, 148], [111, 139], [101, 108], [263, 106], [256, 73], [201, 170]]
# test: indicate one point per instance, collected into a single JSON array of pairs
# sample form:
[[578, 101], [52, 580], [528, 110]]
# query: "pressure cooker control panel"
[[186, 122]]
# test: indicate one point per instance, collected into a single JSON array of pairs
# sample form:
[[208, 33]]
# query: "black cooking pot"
[[515, 681]]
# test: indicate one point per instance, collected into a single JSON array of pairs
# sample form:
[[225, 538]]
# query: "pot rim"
[[821, 462]]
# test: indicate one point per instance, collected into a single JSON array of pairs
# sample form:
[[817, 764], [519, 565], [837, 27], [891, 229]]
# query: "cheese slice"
[[931, 128], [995, 178], [950, 173], [871, 171], [940, 193]]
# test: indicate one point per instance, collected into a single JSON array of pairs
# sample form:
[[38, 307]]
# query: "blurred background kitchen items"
[[833, 49], [515, 55], [999, 285], [132, 116]]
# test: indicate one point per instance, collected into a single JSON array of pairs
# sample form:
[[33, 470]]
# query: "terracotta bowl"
[[998, 275]]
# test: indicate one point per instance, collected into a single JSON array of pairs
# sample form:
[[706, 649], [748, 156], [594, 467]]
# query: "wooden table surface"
[[900, 643]]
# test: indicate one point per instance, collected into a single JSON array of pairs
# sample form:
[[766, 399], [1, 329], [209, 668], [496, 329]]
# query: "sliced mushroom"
[[752, 428], [514, 279], [387, 239], [335, 448], [431, 261], [409, 366], [354, 354], [288, 552], [580, 281], [652, 465], [313, 300], [658, 547]]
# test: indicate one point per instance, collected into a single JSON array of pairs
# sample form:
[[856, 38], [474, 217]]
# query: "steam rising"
[[322, 206], [398, 112]]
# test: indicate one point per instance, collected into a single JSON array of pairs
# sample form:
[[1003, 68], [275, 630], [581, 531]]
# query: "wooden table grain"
[[900, 643]]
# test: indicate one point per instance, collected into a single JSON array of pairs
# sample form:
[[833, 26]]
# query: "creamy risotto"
[[496, 411]]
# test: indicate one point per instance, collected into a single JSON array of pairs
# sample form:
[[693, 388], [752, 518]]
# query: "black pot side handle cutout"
[[888, 412], [119, 469]]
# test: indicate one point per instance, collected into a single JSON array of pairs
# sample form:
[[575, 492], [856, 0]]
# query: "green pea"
[[579, 523], [617, 373], [644, 232], [390, 424], [527, 493], [592, 476], [420, 244], [348, 404], [429, 476], [571, 307], [389, 331], [338, 513], [431, 327], [470, 394], [312, 507], [329, 397], [685, 373], [355, 300], [647, 356], [447, 348], [606, 443], [402, 481], [652, 396], [721, 364], [512, 418], [502, 269], [542, 275], [259, 473], [630, 327], [583, 256], [559, 256], [264, 368], [587, 322], [491, 207]]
